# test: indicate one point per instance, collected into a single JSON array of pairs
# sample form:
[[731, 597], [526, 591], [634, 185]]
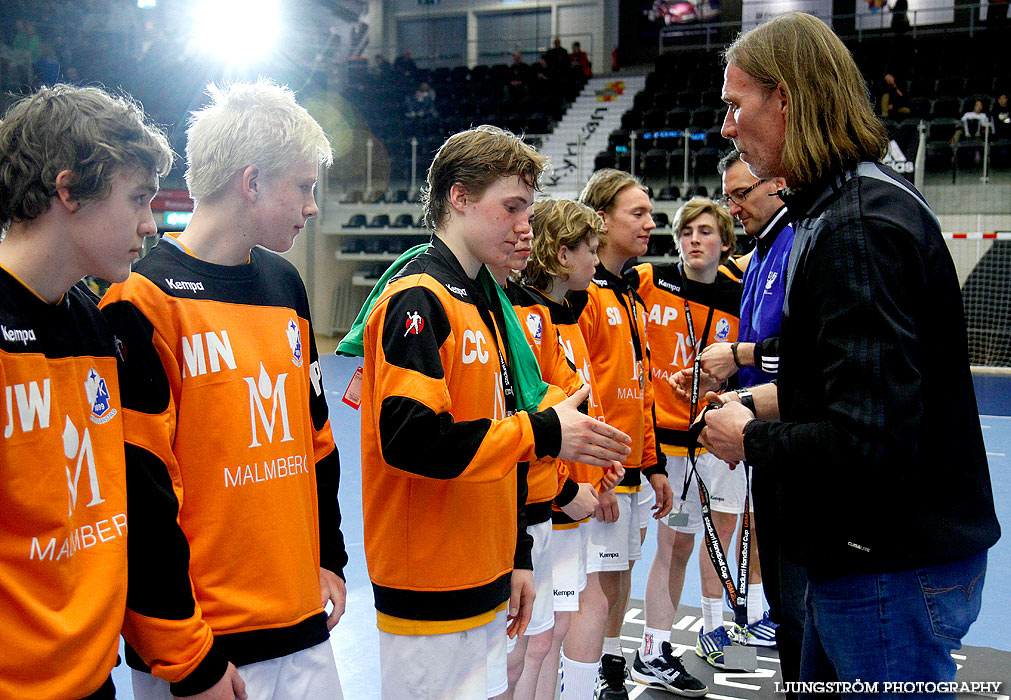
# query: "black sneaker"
[[667, 673], [611, 678]]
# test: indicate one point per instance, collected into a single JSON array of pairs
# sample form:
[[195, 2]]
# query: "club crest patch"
[[97, 392], [722, 329], [294, 342], [534, 326], [771, 279], [414, 324]]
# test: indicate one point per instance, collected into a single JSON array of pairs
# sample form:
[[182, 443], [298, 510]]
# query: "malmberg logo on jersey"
[[78, 448]]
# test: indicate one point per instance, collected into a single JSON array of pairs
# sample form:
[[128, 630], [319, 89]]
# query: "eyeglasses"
[[739, 196]]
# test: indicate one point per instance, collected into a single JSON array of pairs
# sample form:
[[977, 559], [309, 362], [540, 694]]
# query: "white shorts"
[[542, 618], [568, 572], [646, 500], [726, 489], [305, 675], [468, 665], [613, 545]]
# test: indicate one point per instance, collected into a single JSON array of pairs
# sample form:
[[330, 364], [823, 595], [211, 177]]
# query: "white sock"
[[756, 602], [652, 639], [578, 679], [712, 613], [612, 645]]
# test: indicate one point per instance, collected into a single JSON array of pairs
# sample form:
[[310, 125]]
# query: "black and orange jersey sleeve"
[[423, 430], [332, 550], [164, 626]]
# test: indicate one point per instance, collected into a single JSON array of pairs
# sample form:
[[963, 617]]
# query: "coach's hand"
[[583, 504], [521, 602], [718, 362], [724, 431], [587, 440]]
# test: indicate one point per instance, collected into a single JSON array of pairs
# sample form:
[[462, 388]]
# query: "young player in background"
[[612, 319], [691, 305], [562, 259]]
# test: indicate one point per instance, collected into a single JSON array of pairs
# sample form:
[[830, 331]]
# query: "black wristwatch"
[[747, 400]]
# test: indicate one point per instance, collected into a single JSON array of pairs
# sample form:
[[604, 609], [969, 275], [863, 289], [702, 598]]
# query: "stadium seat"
[[946, 108], [380, 221], [669, 193], [654, 163], [604, 159], [356, 221], [703, 117], [616, 138], [678, 118], [403, 221]]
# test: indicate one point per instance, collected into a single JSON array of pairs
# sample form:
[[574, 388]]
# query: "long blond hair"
[[830, 124]]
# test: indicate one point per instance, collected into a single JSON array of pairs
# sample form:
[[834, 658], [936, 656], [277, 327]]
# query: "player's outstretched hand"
[[587, 440], [583, 504], [521, 602], [612, 477], [607, 508], [230, 687], [681, 383]]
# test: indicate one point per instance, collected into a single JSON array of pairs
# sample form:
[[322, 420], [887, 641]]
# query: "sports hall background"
[[651, 106]]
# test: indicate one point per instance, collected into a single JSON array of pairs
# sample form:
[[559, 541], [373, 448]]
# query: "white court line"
[[995, 454]]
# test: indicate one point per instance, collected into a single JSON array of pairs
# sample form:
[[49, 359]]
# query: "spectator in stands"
[[405, 66], [540, 77], [900, 16], [381, 68], [1000, 117], [421, 103], [519, 75], [976, 121], [27, 48], [557, 57], [893, 99], [580, 60]]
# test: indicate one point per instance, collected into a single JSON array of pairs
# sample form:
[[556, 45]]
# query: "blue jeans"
[[899, 626]]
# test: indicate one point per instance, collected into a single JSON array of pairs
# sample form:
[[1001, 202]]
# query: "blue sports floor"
[[355, 639]]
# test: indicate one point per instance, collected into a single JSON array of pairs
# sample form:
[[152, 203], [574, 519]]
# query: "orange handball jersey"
[[225, 410], [561, 352], [665, 291], [612, 320], [63, 509], [440, 452]]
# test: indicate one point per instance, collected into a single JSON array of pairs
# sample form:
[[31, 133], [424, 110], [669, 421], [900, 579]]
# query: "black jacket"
[[879, 457]]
